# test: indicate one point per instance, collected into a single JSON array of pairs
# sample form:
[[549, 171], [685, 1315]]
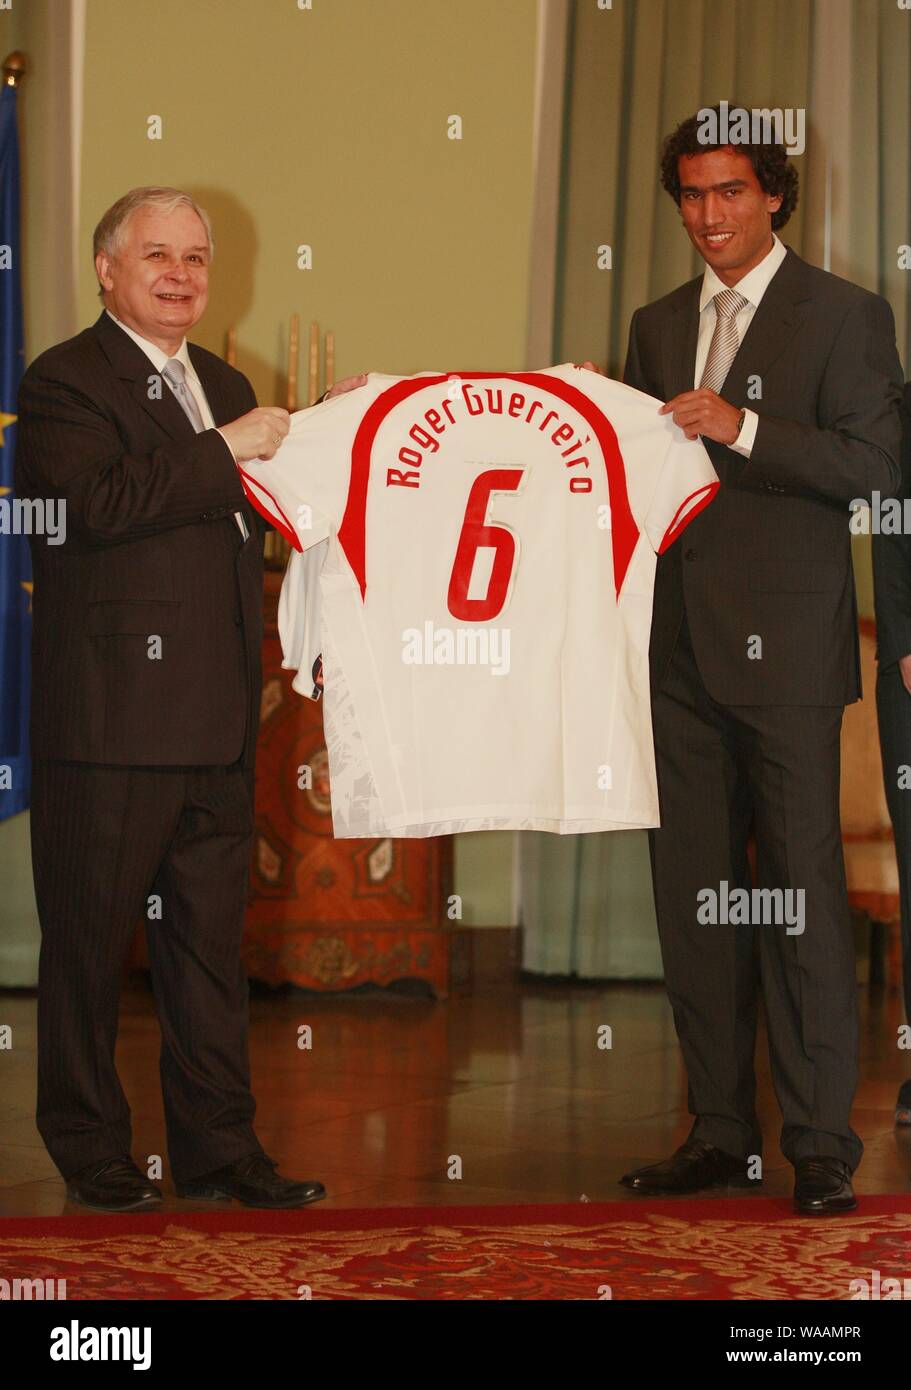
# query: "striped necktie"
[[724, 344], [176, 374]]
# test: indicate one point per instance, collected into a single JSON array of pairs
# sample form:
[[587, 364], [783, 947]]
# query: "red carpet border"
[[722, 1248]]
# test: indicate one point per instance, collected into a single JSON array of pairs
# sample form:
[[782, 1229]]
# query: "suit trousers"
[[112, 846], [893, 705], [723, 770]]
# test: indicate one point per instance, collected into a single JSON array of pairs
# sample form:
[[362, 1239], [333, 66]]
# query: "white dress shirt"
[[753, 286], [158, 358]]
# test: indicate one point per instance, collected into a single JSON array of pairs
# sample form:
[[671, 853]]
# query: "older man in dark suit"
[[791, 378], [145, 708]]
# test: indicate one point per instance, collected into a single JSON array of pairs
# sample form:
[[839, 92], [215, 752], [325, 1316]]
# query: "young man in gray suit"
[[892, 596], [791, 378]]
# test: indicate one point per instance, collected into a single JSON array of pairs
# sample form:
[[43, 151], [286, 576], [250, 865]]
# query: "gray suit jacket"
[[770, 558], [892, 567]]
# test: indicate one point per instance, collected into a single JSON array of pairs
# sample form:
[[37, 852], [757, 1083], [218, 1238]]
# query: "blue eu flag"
[[15, 564]]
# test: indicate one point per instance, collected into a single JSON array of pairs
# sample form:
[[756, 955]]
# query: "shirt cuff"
[[745, 440], [233, 455]]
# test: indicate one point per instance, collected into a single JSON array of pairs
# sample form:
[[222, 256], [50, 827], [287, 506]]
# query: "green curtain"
[[877, 189], [634, 72]]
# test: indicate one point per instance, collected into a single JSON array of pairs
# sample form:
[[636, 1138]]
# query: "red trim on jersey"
[[352, 532], [277, 517], [678, 525]]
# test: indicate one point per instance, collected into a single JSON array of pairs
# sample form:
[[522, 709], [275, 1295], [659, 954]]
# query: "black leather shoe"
[[823, 1186], [253, 1181], [115, 1184], [694, 1166]]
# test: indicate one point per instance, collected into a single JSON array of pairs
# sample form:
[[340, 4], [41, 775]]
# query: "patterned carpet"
[[726, 1248]]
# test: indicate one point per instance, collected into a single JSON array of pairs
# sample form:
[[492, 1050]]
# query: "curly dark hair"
[[770, 164]]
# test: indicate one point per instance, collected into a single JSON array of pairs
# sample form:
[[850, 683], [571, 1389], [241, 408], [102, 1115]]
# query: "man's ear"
[[103, 270]]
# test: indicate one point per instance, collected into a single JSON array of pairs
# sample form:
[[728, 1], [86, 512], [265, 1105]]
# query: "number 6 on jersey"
[[479, 534]]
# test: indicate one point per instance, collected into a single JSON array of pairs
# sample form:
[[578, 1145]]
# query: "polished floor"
[[500, 1096]]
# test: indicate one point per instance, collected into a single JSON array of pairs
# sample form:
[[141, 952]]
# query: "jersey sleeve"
[[302, 490], [300, 617], [686, 483]]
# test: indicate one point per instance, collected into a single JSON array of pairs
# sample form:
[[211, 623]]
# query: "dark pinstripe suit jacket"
[[152, 551], [771, 556]]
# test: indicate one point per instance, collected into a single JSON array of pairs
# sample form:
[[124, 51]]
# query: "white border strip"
[[550, 74], [547, 148]]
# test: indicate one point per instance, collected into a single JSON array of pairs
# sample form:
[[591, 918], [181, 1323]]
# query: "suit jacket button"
[[238, 620], [690, 555]]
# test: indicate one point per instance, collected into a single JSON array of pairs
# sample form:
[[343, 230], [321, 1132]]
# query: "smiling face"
[[726, 212], [157, 280]]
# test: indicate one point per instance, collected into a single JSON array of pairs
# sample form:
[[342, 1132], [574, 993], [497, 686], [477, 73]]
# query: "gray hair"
[[108, 235]]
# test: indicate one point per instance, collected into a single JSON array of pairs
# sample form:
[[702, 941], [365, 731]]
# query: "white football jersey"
[[474, 557]]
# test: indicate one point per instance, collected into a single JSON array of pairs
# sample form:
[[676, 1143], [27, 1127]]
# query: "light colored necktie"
[[724, 344], [176, 374]]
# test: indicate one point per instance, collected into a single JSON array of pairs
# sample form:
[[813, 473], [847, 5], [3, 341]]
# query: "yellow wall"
[[329, 127], [46, 201]]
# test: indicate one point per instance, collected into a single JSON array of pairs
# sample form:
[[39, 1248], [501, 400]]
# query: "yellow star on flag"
[[4, 421]]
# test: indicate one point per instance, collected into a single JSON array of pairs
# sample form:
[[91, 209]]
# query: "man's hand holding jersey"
[[700, 412], [703, 412], [259, 433], [347, 383]]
